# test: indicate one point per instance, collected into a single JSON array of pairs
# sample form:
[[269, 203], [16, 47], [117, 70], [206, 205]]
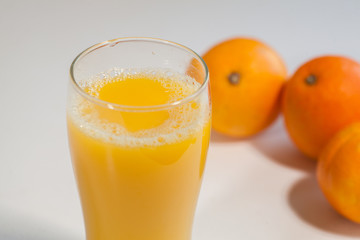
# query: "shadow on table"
[[277, 146], [307, 201], [15, 227], [27, 236]]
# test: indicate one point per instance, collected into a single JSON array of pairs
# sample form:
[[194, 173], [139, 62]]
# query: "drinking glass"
[[139, 120]]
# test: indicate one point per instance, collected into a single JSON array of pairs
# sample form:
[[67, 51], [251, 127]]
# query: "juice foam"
[[178, 123]]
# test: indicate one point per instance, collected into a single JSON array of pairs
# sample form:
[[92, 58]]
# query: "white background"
[[255, 188]]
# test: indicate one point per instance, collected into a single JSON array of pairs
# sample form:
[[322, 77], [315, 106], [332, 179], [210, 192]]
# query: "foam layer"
[[180, 123]]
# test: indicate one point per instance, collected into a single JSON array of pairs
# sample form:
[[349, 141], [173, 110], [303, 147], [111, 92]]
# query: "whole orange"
[[246, 78], [338, 172], [322, 97]]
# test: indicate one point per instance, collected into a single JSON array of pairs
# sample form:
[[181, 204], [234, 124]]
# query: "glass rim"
[[130, 108]]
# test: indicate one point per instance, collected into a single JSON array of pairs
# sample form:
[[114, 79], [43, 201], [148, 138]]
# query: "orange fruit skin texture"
[[338, 172], [246, 108], [314, 113]]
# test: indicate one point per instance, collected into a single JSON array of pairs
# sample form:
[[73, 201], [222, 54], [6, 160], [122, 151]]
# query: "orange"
[[338, 172], [246, 78], [321, 98]]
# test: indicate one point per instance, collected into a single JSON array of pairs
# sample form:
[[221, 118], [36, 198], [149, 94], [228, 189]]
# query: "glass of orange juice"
[[138, 117]]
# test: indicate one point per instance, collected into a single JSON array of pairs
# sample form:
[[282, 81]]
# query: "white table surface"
[[255, 188]]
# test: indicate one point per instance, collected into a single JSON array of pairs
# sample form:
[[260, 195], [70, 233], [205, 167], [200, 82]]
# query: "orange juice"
[[139, 172]]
